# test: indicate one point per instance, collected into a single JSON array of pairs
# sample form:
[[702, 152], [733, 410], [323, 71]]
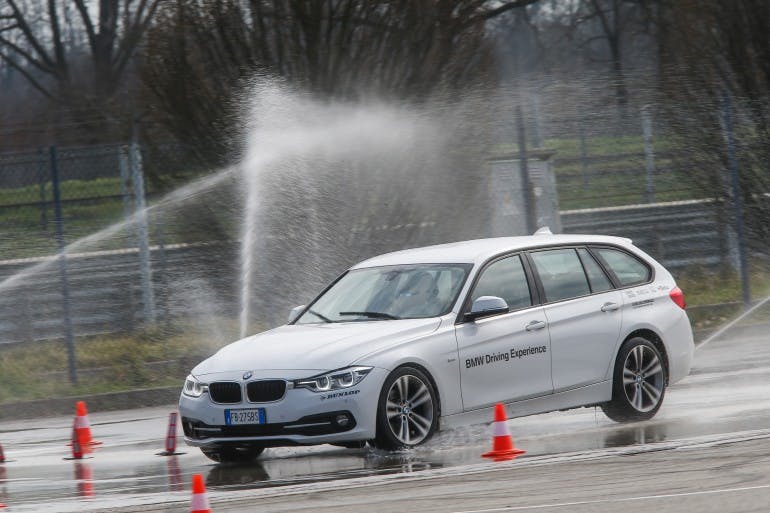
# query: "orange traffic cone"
[[83, 427], [502, 443], [199, 503]]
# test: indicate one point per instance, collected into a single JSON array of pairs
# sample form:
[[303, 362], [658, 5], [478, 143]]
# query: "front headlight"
[[334, 380], [193, 387]]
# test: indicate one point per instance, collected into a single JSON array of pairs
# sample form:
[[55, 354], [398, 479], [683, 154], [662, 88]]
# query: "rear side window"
[[596, 277], [628, 269], [506, 279], [561, 274]]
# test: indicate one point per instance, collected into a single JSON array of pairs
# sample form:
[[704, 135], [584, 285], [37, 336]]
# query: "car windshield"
[[389, 293]]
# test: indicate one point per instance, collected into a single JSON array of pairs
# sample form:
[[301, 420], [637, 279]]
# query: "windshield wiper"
[[373, 315], [322, 317]]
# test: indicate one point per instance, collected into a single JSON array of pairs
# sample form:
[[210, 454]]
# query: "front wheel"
[[638, 384], [408, 410], [232, 454]]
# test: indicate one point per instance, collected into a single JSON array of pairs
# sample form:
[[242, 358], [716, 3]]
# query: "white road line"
[[620, 499]]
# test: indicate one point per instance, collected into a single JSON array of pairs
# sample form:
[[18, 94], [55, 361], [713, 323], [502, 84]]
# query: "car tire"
[[407, 411], [232, 454], [638, 383]]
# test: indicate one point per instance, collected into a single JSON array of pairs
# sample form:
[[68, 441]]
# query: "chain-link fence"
[[82, 256]]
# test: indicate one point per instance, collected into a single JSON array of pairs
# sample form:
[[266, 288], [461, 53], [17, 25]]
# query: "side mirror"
[[485, 306], [295, 313]]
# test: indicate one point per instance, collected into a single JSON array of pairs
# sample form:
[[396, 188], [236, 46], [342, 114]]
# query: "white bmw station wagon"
[[409, 342]]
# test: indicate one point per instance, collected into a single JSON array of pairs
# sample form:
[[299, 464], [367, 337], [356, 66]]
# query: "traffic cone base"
[[502, 442]]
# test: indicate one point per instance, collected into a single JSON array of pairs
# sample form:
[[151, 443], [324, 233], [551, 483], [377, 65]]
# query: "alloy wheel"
[[409, 410], [643, 378]]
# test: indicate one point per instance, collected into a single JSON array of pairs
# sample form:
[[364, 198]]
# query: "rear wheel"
[[232, 453], [639, 382], [408, 410]]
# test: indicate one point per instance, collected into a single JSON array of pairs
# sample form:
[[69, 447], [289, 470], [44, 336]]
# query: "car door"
[[583, 314], [504, 357]]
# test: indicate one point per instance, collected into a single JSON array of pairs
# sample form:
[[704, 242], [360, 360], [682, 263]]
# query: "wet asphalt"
[[708, 449]]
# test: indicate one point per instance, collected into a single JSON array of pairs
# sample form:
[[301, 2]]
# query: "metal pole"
[[529, 203], [737, 196], [537, 136], [649, 154], [583, 152], [65, 289], [41, 186], [137, 178], [125, 179]]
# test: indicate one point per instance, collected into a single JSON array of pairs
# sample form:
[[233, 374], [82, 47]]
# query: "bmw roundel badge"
[[247, 375]]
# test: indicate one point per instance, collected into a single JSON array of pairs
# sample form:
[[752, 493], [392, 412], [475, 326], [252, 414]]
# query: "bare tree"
[[41, 39], [201, 50], [615, 22], [716, 60]]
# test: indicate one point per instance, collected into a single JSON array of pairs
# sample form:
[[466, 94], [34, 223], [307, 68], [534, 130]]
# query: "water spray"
[[732, 323]]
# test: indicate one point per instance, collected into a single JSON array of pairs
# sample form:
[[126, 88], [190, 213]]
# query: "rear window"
[[628, 269], [561, 274], [596, 277]]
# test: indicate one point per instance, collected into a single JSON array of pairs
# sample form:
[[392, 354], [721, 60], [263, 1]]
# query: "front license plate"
[[240, 417]]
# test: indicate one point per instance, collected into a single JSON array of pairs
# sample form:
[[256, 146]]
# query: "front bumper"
[[301, 417]]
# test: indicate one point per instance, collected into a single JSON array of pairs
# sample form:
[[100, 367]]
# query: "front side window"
[[628, 269], [506, 279], [561, 274], [391, 292]]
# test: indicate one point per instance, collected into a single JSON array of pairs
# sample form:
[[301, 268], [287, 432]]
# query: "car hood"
[[312, 347]]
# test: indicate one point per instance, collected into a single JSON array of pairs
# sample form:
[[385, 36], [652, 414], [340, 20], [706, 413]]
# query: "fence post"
[[737, 196], [529, 203], [41, 179], [137, 179], [649, 154], [583, 151], [65, 289], [537, 132], [125, 180]]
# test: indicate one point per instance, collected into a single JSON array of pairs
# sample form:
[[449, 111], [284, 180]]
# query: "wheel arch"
[[655, 339]]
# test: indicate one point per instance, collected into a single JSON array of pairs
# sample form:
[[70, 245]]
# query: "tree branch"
[[34, 82], [9, 27], [29, 57], [132, 37], [488, 15], [61, 59], [27, 31], [89, 24]]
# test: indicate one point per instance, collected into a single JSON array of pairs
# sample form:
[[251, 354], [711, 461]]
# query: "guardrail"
[[106, 286], [677, 233]]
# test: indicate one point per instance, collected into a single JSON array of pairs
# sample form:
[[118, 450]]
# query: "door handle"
[[610, 307], [535, 325]]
